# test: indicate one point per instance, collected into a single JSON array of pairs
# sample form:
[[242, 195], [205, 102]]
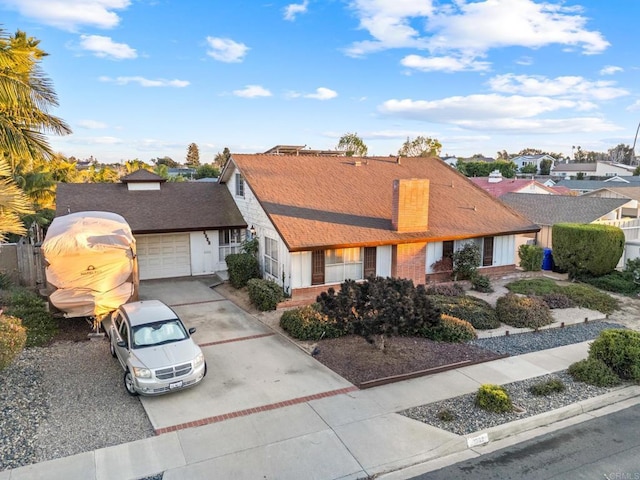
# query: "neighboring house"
[[586, 186], [547, 210], [451, 161], [592, 169], [525, 160], [629, 193], [497, 185], [323, 219], [181, 228]]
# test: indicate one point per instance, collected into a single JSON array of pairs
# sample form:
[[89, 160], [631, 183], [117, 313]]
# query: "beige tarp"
[[91, 262]]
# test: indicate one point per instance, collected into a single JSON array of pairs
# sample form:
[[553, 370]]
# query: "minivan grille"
[[173, 372]]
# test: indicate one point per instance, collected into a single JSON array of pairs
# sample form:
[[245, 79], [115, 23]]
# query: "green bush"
[[587, 249], [308, 323], [594, 372], [517, 311], [13, 338], [446, 289], [622, 283], [242, 267], [481, 283], [590, 297], [543, 389], [452, 330], [534, 286], [476, 311], [466, 261], [264, 294], [558, 300], [493, 398], [36, 319], [530, 257], [620, 350], [446, 415]]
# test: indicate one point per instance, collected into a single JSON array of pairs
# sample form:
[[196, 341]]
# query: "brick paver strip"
[[250, 411], [237, 339]]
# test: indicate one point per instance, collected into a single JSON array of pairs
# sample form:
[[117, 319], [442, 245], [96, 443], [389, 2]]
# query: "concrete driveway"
[[250, 367]]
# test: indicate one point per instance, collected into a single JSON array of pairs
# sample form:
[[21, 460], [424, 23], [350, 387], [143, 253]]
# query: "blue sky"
[[145, 78]]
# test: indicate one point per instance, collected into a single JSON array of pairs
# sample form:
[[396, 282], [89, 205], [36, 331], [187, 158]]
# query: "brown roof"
[[176, 207], [142, 175], [330, 202]]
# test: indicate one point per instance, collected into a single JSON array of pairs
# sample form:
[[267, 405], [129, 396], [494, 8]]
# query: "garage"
[[163, 256]]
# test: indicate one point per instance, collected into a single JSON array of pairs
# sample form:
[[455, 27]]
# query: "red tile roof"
[[330, 202]]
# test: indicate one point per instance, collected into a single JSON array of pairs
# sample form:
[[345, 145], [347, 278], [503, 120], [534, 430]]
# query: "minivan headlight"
[[199, 360], [142, 372]]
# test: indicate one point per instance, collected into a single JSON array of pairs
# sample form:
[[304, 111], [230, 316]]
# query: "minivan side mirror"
[[192, 330], [121, 344]]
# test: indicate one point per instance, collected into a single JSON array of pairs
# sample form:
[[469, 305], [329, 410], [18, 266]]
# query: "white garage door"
[[163, 256]]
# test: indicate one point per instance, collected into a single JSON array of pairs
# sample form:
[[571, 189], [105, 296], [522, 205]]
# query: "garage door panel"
[[163, 256]]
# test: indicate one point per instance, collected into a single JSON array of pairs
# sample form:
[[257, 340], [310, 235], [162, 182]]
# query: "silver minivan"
[[154, 348]]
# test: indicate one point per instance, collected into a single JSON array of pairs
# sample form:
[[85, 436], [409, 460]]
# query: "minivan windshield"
[[158, 333]]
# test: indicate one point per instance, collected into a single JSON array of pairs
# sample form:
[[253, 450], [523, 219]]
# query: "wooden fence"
[[23, 263]]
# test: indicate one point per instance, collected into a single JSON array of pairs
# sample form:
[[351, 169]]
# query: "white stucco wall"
[[504, 251]]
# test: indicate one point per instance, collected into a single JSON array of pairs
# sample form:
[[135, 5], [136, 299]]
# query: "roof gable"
[[142, 175]]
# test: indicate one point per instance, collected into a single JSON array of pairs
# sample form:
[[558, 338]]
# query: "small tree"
[[530, 169], [193, 156], [353, 145], [420, 147], [466, 261], [222, 158], [545, 166], [207, 171]]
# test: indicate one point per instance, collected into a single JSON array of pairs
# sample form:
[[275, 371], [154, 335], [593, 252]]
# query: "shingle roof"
[[552, 209], [176, 207], [631, 192], [142, 175], [506, 185], [575, 167], [330, 202]]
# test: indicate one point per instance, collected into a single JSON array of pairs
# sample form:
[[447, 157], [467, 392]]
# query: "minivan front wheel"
[[129, 385]]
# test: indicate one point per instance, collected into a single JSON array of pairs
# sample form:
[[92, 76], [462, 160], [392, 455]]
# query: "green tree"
[[221, 158], [621, 154], [168, 161], [545, 166], [420, 147], [353, 145], [13, 204], [134, 165], [207, 171], [530, 168], [193, 156]]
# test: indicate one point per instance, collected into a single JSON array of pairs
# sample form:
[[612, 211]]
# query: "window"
[[229, 242], [447, 249], [239, 185], [369, 262], [487, 251], [271, 257], [124, 333], [317, 267], [342, 264]]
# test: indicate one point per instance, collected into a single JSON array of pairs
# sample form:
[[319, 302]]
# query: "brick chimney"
[[410, 209]]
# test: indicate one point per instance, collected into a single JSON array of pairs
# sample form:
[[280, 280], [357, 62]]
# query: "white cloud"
[[226, 50], [610, 70], [91, 124], [293, 9], [252, 91], [634, 107], [452, 30], [322, 94], [526, 60], [443, 64], [105, 47], [71, 14], [145, 82], [565, 86]]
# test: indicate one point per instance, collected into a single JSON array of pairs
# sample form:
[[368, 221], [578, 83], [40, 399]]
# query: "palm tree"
[[13, 203]]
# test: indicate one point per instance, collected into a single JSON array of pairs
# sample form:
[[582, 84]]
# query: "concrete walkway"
[[344, 436]]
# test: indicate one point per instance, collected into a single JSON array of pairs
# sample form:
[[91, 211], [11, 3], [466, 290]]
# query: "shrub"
[[558, 300], [242, 267], [590, 249], [32, 310], [481, 283], [5, 281], [530, 312], [587, 296], [617, 282], [594, 372], [619, 349], [445, 264], [493, 398], [308, 323], [446, 289], [264, 294], [474, 310], [13, 338], [543, 389], [534, 286], [530, 257], [446, 415], [452, 330], [466, 261]]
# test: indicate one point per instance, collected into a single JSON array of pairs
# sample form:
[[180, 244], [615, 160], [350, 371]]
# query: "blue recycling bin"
[[547, 259]]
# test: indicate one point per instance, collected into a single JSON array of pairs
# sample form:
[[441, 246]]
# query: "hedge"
[[242, 267], [264, 294]]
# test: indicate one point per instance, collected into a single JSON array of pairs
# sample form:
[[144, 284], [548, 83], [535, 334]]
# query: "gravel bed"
[[521, 343], [468, 418], [65, 399]]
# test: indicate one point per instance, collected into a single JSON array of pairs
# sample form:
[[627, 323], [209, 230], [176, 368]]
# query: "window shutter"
[[487, 252], [369, 262], [317, 267]]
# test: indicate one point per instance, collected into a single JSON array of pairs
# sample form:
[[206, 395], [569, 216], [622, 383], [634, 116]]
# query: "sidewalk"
[[348, 436]]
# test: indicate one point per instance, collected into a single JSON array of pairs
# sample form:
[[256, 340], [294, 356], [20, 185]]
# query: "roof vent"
[[357, 163], [495, 176]]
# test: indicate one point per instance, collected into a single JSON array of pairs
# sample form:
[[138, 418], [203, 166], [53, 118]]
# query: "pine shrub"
[[481, 283], [308, 323], [590, 297], [452, 330], [493, 398], [594, 372], [445, 289], [558, 300], [619, 349], [534, 286], [264, 294], [544, 389], [517, 311], [13, 337]]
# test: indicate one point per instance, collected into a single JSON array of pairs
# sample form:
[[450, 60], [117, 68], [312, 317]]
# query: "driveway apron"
[[250, 367]]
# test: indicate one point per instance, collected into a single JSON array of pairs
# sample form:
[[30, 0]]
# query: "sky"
[[142, 79]]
